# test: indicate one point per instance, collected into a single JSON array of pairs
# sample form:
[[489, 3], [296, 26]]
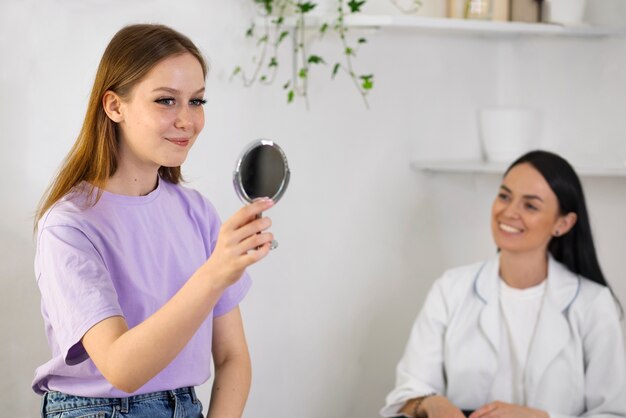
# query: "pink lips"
[[181, 142]]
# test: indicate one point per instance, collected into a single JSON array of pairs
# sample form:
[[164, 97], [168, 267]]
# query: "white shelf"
[[464, 27], [481, 167]]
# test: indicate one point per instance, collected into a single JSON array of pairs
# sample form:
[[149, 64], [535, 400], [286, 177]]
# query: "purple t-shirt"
[[127, 255]]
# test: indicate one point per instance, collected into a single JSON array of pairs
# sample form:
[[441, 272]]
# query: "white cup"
[[508, 132], [565, 12]]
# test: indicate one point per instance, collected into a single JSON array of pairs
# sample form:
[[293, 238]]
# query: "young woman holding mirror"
[[533, 332], [140, 282]]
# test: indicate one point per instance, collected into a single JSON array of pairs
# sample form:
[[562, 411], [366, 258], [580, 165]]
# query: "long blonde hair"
[[130, 55]]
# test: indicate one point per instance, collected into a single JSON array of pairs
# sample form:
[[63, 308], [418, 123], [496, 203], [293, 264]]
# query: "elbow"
[[240, 362], [126, 387], [123, 381]]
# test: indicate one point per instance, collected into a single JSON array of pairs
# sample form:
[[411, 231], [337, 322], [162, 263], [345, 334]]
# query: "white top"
[[520, 310], [575, 366]]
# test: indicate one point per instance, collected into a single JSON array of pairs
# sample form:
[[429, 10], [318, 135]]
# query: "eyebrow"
[[174, 91], [526, 196]]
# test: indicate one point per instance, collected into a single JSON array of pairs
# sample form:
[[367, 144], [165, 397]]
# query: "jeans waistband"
[[59, 401]]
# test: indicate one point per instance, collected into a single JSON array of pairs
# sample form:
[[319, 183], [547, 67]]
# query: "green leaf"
[[282, 36], [355, 5], [324, 28], [236, 71], [315, 59], [262, 39], [336, 69], [267, 5], [362, 40], [305, 7], [349, 51], [273, 62], [290, 96], [367, 82], [263, 78], [302, 73], [286, 85], [250, 31]]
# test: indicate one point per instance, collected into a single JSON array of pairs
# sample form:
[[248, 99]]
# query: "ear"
[[564, 224], [112, 104]]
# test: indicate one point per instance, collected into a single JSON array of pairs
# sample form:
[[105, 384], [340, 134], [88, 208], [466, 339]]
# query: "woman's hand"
[[499, 409], [239, 236], [433, 407], [439, 407]]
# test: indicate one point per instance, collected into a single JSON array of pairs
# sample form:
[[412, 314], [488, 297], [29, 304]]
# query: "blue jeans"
[[178, 403]]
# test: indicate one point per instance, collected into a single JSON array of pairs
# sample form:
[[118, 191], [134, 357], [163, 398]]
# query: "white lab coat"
[[576, 364]]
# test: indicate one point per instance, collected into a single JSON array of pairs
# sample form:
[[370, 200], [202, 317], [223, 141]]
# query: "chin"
[[173, 162], [506, 245]]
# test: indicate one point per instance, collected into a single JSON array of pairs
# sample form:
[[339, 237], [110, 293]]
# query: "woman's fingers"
[[483, 410], [253, 227], [252, 257], [240, 234], [249, 212], [254, 241]]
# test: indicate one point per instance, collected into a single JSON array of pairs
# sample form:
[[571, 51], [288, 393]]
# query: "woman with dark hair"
[[534, 332], [140, 281]]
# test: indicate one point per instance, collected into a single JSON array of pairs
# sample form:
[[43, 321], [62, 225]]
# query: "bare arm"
[[129, 358], [232, 367]]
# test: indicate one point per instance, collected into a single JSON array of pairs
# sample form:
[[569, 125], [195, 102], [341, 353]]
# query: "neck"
[[524, 270], [132, 182]]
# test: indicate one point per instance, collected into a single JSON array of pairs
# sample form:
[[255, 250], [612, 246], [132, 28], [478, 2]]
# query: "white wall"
[[361, 235]]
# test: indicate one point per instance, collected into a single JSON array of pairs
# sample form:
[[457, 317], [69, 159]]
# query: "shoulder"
[[69, 211], [190, 197], [593, 297], [462, 276], [454, 289], [195, 205], [457, 283]]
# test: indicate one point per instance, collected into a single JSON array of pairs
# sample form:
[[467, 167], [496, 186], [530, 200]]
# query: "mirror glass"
[[261, 171]]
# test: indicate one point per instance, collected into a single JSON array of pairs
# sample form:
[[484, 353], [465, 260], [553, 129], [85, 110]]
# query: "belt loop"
[[43, 405], [192, 391], [124, 405]]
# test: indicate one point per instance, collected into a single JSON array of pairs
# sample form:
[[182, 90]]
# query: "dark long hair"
[[575, 249]]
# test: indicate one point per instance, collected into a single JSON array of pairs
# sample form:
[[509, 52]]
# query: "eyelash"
[[195, 102], [504, 197]]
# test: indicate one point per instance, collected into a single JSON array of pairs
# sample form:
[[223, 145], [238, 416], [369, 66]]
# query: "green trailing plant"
[[274, 29]]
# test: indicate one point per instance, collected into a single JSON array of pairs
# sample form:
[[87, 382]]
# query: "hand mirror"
[[261, 171]]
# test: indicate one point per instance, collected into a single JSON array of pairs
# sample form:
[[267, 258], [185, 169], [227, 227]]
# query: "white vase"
[[565, 12], [508, 132]]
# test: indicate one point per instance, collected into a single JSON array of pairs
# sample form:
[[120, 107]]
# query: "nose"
[[510, 211], [184, 118]]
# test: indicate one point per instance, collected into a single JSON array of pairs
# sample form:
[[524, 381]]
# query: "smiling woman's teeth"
[[508, 228]]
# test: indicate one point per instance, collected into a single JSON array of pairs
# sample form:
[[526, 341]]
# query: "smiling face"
[[163, 115], [525, 214]]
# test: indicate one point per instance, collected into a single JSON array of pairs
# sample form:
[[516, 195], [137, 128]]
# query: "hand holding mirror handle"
[[261, 171]]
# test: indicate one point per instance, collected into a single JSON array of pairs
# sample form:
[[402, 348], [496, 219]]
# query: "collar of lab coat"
[[561, 289], [552, 331]]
